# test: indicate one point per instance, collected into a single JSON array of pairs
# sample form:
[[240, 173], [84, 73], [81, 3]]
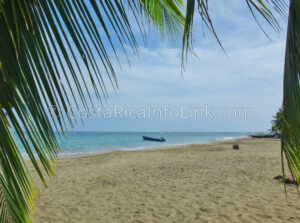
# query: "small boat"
[[154, 139], [263, 136]]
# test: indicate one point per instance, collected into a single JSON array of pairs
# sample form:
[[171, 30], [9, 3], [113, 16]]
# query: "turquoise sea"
[[84, 143]]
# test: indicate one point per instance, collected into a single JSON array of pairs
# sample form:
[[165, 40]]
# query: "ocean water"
[[84, 143]]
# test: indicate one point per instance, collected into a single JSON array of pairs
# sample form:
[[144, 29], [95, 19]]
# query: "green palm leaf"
[[260, 6], [290, 143], [50, 52]]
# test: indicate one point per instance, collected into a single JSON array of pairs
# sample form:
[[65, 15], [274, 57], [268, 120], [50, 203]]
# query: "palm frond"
[[263, 7], [166, 15], [51, 53], [290, 142]]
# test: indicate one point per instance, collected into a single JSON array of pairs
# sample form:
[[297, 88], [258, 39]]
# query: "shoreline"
[[207, 182], [155, 147]]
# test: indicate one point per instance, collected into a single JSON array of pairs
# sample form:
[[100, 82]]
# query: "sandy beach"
[[194, 183]]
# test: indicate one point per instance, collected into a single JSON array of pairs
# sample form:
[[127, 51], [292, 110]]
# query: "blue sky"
[[249, 76]]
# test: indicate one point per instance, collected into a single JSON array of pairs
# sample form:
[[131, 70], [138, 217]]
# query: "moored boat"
[[263, 136], [154, 139]]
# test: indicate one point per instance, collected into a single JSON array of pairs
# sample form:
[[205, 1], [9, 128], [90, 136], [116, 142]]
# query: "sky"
[[222, 86]]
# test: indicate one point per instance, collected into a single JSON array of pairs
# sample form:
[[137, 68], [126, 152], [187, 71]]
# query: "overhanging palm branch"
[[50, 52], [262, 7]]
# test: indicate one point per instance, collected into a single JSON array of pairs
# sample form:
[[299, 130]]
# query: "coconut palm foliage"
[[277, 122], [49, 51], [290, 142], [264, 8]]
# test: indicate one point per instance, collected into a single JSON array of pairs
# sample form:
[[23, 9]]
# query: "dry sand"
[[193, 183]]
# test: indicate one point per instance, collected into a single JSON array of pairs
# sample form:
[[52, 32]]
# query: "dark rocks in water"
[[287, 180], [235, 146]]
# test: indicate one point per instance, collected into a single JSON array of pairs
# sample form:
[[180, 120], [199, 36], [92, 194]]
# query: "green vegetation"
[[43, 45], [290, 144], [277, 122]]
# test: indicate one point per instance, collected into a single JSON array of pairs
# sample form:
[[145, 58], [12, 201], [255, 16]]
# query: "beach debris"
[[287, 180], [235, 146], [134, 169]]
